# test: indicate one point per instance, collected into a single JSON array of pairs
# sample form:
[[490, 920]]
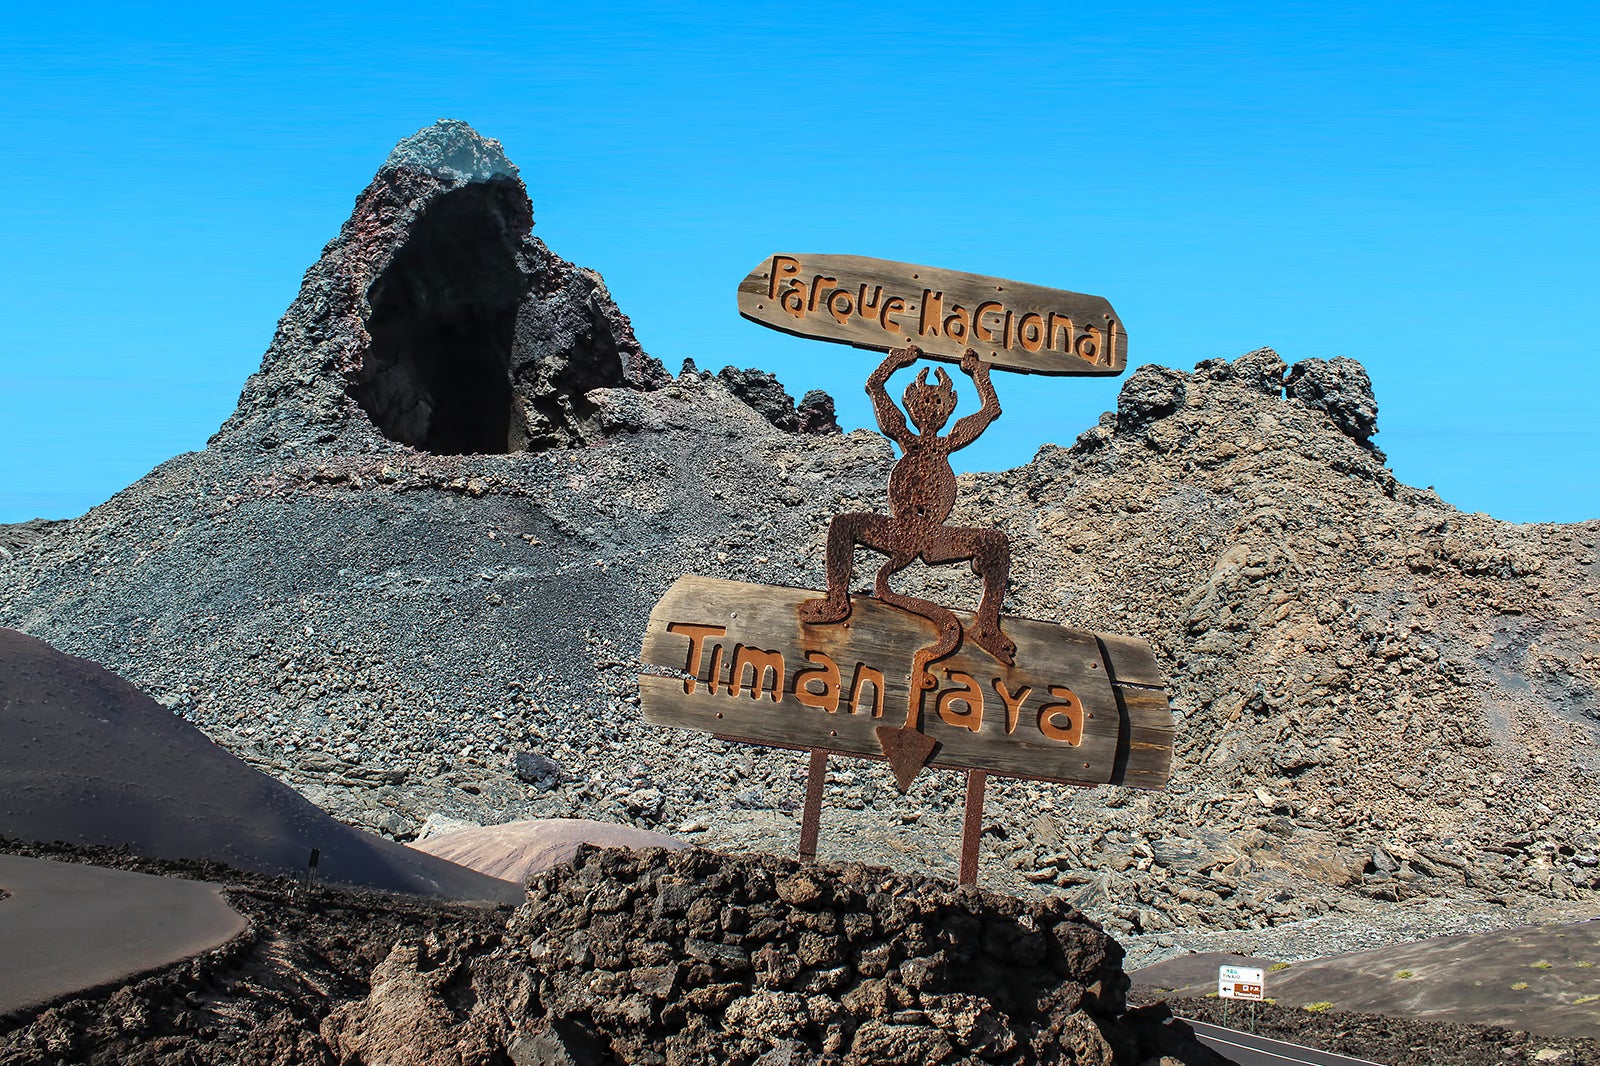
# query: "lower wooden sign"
[[1077, 707]]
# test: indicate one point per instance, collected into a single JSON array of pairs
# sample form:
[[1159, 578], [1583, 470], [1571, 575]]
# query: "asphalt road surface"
[[68, 927], [1249, 1050]]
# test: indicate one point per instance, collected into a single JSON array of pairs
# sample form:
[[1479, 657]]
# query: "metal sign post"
[[1241, 982], [892, 676]]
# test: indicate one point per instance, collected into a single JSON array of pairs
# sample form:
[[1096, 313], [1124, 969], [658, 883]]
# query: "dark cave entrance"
[[437, 375]]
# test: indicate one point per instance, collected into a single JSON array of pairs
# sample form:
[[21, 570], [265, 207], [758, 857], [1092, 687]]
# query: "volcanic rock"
[[1151, 393], [763, 392], [436, 320], [816, 413], [425, 1007], [694, 957], [1339, 386], [537, 770]]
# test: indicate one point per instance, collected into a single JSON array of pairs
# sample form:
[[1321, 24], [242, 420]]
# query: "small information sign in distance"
[[881, 304], [1241, 982]]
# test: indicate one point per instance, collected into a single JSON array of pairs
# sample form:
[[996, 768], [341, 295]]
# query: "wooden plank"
[[1132, 661], [1150, 732], [1148, 710], [881, 304], [744, 666]]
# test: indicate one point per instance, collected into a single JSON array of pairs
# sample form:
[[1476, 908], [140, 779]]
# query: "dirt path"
[[67, 927]]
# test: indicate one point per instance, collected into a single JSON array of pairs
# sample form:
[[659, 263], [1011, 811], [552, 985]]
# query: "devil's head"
[[930, 405]]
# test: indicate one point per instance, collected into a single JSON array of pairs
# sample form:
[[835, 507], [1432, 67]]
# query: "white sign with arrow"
[[1241, 982]]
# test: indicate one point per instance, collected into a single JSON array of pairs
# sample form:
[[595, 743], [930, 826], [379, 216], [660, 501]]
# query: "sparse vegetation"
[[1518, 986], [1275, 967], [1403, 975], [1581, 1000], [1318, 1007], [1542, 964]]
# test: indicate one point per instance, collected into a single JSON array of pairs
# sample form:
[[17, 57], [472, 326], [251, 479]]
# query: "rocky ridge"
[[1382, 701]]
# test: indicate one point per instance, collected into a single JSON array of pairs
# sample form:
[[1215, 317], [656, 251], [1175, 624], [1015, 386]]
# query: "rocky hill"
[[410, 574]]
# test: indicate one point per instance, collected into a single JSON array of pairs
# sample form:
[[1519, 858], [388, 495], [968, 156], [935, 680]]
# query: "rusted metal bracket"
[[811, 814], [971, 822], [972, 826]]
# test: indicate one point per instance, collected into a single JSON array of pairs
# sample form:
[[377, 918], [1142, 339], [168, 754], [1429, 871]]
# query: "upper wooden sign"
[[1079, 707], [880, 304]]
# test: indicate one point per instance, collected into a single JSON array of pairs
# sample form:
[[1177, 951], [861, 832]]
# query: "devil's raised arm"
[[968, 429], [890, 418]]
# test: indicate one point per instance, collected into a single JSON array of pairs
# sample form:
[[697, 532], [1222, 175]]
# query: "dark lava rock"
[[767, 397], [1339, 386], [437, 321], [695, 957], [1152, 393], [537, 770], [816, 413], [765, 393], [1261, 369]]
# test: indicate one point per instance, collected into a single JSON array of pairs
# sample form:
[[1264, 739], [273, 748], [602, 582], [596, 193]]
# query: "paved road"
[[67, 927], [1248, 1050]]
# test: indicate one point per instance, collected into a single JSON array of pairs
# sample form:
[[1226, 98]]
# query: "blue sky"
[[1410, 185]]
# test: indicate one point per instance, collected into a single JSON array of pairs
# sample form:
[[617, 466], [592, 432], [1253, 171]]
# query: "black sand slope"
[[87, 758]]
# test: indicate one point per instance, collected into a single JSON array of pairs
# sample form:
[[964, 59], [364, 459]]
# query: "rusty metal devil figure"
[[922, 492]]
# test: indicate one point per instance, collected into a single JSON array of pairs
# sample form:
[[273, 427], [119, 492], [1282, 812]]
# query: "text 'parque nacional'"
[[880, 304]]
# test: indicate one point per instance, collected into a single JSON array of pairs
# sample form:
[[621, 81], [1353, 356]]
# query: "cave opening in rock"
[[443, 317]]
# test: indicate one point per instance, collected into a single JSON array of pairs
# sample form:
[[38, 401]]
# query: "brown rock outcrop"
[[430, 1004]]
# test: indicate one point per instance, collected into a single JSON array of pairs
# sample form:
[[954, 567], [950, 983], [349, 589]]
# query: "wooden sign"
[[1078, 707], [880, 304]]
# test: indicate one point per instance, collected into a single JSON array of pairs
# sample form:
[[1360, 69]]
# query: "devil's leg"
[[844, 533], [989, 552], [948, 625], [992, 562]]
